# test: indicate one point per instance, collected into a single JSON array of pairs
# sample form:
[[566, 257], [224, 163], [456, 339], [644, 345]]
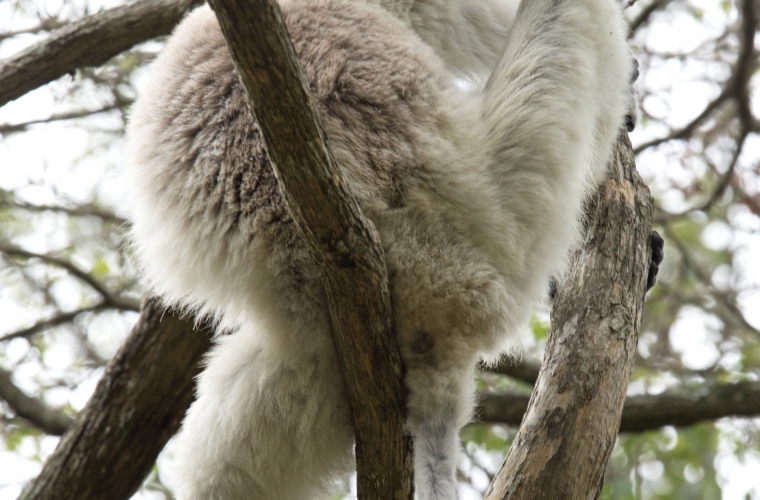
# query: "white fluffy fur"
[[476, 196]]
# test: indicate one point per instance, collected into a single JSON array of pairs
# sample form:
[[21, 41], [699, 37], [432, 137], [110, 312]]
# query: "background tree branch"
[[524, 371], [32, 409], [342, 241], [58, 319], [89, 42], [643, 413], [568, 432], [10, 128], [109, 299]]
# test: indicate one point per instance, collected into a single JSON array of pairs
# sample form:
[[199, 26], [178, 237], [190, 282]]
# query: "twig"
[[50, 24], [78, 211], [71, 115], [56, 320], [704, 277], [108, 298]]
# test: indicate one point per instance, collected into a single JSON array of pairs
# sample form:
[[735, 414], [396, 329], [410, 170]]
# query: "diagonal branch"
[[686, 131], [343, 242], [646, 13], [89, 42], [137, 406], [703, 275], [720, 189]]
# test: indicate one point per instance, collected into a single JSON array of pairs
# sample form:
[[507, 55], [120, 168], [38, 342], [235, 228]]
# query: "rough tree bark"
[[342, 241], [89, 42], [568, 432], [138, 405]]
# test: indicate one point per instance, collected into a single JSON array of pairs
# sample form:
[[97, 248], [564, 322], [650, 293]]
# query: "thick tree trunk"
[[568, 432], [138, 405]]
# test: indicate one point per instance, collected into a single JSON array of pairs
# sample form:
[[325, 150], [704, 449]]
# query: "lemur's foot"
[[552, 288], [633, 108], [658, 252]]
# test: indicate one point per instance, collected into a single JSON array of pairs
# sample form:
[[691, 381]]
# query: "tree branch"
[[9, 128], [51, 322], [691, 126], [32, 409], [342, 241], [52, 23], [643, 413], [646, 13], [736, 88], [569, 429], [77, 211], [108, 298], [89, 42], [731, 400], [519, 370], [137, 406]]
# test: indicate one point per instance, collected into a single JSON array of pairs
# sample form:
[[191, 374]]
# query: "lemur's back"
[[199, 157]]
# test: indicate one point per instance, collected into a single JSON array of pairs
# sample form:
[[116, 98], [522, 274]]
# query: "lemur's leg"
[[448, 304], [267, 424], [553, 108]]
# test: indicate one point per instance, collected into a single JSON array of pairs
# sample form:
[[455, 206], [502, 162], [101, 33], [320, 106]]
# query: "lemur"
[[476, 192]]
